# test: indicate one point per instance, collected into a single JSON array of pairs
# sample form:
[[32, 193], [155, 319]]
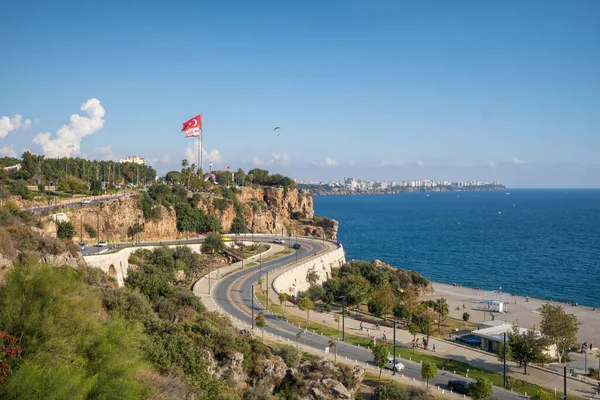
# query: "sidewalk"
[[444, 349]]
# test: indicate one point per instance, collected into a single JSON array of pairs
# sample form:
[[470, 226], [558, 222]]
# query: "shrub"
[[289, 354], [65, 230], [90, 230], [393, 391]]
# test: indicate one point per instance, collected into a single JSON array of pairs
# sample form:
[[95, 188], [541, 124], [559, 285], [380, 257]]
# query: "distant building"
[[493, 335], [13, 168], [133, 159]]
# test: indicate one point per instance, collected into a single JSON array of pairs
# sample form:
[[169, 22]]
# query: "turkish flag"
[[192, 125]]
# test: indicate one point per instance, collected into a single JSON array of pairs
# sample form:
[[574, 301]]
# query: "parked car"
[[279, 241], [296, 246], [102, 243], [459, 386], [86, 201], [82, 245], [398, 366]]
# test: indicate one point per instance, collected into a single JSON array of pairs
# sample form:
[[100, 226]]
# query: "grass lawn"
[[259, 249]]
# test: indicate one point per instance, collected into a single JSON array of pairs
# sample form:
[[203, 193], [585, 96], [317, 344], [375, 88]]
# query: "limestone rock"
[[338, 390]]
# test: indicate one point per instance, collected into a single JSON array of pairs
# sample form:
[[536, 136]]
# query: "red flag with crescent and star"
[[192, 127]]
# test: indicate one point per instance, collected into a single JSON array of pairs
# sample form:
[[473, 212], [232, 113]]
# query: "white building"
[[13, 168], [133, 159], [493, 334]]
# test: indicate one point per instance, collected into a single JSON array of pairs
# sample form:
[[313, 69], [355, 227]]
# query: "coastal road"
[[233, 294], [81, 202]]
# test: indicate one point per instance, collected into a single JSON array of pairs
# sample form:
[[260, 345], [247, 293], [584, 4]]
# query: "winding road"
[[233, 294]]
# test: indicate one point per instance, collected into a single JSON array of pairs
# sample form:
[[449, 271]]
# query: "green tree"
[[380, 353], [500, 351], [560, 328], [261, 322], [65, 230], [466, 317], [282, 300], [526, 347], [259, 282], [442, 309], [213, 244], [336, 318], [333, 345], [298, 336], [428, 371], [424, 319], [96, 187], [480, 389], [385, 298], [541, 395], [305, 304]]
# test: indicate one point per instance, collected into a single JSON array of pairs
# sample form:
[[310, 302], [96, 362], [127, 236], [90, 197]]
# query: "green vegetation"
[[391, 390], [428, 371], [560, 328], [91, 231], [480, 389], [305, 304], [261, 322], [380, 353], [213, 244], [526, 347], [262, 177], [75, 175], [65, 230]]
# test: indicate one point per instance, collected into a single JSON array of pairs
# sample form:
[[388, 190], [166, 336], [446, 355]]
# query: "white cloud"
[[388, 163], [191, 154], [166, 159], [328, 162], [419, 163], [257, 161], [490, 164], [104, 153], [69, 136], [517, 160], [281, 159], [8, 125], [8, 151]]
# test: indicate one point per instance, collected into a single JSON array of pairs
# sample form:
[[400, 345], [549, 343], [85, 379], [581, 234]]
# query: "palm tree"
[[336, 318], [333, 345], [298, 336], [442, 309], [282, 300]]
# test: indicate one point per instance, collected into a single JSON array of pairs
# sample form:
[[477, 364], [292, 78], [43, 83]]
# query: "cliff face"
[[265, 210]]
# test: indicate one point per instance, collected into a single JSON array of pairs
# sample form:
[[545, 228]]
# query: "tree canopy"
[[560, 328]]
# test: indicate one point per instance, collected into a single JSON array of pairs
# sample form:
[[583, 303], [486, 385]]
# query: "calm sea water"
[[540, 243]]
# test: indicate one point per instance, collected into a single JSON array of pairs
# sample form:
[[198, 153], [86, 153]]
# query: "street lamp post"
[[253, 307], [267, 290], [394, 361], [343, 315], [504, 360], [209, 272], [585, 370]]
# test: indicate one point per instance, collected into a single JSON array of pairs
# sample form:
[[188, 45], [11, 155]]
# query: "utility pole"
[[81, 229], [98, 233], [253, 308], [394, 361], [209, 272], [344, 314], [267, 291], [138, 230], [505, 360], [565, 382]]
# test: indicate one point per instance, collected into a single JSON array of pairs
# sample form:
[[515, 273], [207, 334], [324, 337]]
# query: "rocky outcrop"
[[265, 210], [325, 380]]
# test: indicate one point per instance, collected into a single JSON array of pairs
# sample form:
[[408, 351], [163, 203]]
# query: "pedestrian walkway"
[[443, 348]]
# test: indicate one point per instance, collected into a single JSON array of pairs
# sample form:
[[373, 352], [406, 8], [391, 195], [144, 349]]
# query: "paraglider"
[[210, 176], [277, 127]]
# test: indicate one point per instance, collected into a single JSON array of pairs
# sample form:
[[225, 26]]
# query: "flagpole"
[[200, 149]]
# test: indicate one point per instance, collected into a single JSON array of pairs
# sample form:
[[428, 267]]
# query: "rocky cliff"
[[265, 210]]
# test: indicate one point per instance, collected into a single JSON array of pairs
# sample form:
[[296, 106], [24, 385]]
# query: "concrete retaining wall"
[[294, 280], [117, 264]]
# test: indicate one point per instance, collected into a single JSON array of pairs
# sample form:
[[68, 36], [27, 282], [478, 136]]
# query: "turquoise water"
[[540, 243]]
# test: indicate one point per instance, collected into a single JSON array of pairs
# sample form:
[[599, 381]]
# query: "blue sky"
[[495, 90]]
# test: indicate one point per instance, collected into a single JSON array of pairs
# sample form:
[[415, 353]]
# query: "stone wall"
[[293, 280]]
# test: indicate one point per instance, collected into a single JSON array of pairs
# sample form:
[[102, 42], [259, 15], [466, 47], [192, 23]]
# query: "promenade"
[[445, 349]]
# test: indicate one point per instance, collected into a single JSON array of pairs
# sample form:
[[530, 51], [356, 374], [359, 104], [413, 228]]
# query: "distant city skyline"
[[506, 92]]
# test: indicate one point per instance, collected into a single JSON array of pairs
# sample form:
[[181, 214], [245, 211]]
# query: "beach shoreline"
[[519, 310]]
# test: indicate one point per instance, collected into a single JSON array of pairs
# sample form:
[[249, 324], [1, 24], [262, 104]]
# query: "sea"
[[542, 243]]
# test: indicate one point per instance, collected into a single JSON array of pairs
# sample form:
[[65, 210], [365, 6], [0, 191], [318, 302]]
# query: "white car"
[[279, 241], [102, 243], [86, 201], [398, 366]]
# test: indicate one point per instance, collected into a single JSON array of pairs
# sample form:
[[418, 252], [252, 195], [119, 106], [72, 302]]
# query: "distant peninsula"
[[352, 186]]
